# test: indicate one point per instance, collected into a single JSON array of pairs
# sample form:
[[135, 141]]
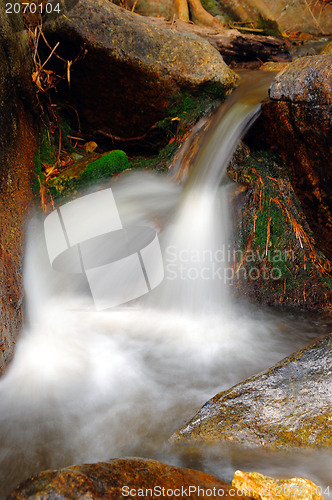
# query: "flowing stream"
[[87, 386]]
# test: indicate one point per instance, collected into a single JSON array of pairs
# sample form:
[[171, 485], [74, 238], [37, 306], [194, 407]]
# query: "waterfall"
[[86, 386], [197, 254]]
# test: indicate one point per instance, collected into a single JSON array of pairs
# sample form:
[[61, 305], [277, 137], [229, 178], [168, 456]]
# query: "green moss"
[[327, 281], [187, 108], [66, 130], [273, 231], [269, 26], [161, 161], [100, 170], [46, 154], [47, 147], [112, 163], [212, 6]]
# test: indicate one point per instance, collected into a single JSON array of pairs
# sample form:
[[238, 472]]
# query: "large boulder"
[[18, 144], [123, 478], [306, 80], [287, 406], [296, 123], [132, 69]]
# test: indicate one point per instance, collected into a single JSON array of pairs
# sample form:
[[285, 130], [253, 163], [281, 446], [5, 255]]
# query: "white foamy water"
[[87, 386]]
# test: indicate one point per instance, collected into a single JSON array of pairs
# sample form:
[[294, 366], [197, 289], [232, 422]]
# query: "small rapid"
[[86, 386]]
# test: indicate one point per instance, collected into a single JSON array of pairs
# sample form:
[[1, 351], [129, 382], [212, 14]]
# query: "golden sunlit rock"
[[268, 488], [90, 146]]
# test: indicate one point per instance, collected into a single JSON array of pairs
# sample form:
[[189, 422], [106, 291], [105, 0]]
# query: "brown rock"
[[18, 144], [116, 478], [132, 68], [287, 406]]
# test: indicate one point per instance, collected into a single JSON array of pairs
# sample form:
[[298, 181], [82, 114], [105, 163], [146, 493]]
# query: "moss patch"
[[67, 188], [112, 163], [185, 110], [212, 6], [269, 27], [46, 155], [159, 162]]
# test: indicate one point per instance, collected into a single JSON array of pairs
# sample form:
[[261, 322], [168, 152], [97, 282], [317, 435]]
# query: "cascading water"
[[87, 386], [196, 242]]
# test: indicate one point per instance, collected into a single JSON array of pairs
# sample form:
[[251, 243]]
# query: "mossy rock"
[[277, 259], [112, 163], [269, 27]]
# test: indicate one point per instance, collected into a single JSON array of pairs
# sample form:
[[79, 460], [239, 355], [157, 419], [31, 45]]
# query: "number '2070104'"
[[33, 7]]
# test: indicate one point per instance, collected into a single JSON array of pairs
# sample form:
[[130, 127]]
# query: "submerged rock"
[[287, 406], [296, 123], [132, 69], [123, 478], [264, 487], [18, 144]]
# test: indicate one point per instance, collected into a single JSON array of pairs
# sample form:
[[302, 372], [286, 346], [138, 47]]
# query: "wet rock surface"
[[18, 144], [287, 406], [107, 479], [297, 125], [132, 69], [306, 80]]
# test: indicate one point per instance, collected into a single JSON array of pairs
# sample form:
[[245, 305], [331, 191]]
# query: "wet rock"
[[116, 478], [306, 80], [297, 125], [132, 69], [264, 487], [287, 406], [18, 144]]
